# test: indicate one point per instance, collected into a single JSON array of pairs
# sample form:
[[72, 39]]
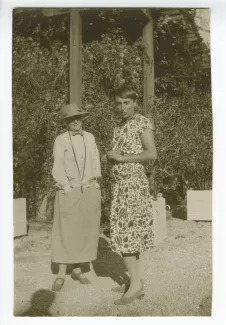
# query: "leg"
[[138, 268], [136, 289], [62, 271], [133, 265], [59, 281], [78, 275], [77, 269], [141, 265]]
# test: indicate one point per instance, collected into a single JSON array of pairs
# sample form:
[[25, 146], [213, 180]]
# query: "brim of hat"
[[78, 114]]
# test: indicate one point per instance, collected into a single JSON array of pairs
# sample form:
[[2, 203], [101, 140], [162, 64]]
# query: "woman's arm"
[[58, 171], [149, 152], [96, 162]]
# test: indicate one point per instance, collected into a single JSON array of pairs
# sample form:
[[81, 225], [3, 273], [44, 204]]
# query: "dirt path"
[[177, 276]]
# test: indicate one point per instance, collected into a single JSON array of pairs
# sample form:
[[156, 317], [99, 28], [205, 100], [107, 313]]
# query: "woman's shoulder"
[[61, 140], [141, 118], [88, 134], [61, 137], [143, 122]]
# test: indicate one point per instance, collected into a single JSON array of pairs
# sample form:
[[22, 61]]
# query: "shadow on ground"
[[179, 212], [41, 302], [107, 264]]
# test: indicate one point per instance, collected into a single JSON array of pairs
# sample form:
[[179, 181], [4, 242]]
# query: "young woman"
[[131, 220]]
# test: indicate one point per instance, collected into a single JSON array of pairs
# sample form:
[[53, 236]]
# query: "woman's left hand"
[[114, 155]]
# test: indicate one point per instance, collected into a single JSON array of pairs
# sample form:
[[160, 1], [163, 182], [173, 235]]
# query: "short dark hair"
[[126, 92]]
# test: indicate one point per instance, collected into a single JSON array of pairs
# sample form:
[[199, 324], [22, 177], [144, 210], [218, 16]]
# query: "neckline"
[[79, 131], [122, 123]]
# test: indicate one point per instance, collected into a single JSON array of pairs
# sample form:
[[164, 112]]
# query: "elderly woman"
[[77, 208], [131, 220]]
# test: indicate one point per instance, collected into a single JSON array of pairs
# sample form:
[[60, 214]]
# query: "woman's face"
[[74, 123], [125, 107]]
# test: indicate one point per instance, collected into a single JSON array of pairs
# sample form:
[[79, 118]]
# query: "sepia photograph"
[[112, 162]]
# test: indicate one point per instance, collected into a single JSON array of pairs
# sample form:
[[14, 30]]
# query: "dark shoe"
[[58, 284], [77, 277], [128, 300]]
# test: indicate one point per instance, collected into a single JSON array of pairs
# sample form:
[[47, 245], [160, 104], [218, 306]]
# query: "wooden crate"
[[199, 205], [19, 217], [159, 207]]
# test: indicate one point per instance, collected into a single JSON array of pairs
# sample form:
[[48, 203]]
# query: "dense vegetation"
[[111, 56]]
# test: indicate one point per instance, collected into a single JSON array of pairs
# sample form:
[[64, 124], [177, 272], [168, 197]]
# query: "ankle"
[[77, 270], [82, 275], [136, 283]]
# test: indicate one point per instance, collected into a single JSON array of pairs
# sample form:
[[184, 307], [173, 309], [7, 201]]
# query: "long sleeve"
[[58, 170], [97, 161]]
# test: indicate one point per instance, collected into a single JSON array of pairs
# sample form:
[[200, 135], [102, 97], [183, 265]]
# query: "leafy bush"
[[184, 142], [40, 87]]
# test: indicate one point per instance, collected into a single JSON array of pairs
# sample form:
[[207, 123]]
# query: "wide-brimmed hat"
[[71, 110]]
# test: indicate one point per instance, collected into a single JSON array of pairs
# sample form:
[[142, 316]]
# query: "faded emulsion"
[[112, 162]]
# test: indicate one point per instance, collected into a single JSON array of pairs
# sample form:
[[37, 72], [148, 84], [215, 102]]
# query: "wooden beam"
[[147, 13], [75, 60], [18, 11], [170, 12], [148, 68], [176, 17], [48, 12], [54, 12]]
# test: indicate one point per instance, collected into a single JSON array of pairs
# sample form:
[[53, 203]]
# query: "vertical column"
[[75, 58], [148, 71], [149, 84]]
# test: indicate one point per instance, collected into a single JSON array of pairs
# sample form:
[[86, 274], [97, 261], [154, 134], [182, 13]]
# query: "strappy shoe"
[[58, 284], [128, 300], [121, 289], [124, 288], [78, 277]]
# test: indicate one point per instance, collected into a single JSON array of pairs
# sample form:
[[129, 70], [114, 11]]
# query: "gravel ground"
[[177, 276]]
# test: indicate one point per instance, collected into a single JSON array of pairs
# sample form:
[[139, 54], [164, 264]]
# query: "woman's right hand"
[[104, 158], [66, 189]]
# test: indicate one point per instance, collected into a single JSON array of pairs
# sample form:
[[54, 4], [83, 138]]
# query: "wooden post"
[[148, 71], [149, 84], [75, 60]]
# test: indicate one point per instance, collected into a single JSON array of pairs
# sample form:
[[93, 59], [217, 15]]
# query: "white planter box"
[[199, 205], [159, 207], [19, 217]]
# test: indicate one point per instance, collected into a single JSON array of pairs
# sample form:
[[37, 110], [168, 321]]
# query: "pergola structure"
[[77, 16], [136, 18]]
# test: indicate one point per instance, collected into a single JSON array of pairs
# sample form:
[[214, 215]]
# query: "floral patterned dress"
[[131, 221]]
